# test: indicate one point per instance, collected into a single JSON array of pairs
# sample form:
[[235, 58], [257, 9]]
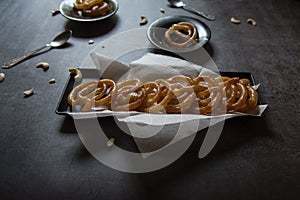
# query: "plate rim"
[[115, 2], [151, 26]]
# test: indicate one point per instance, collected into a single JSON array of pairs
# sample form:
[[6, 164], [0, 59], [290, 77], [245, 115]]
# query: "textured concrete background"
[[255, 158]]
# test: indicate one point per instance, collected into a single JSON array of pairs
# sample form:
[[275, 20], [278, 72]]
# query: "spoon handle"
[[202, 14], [15, 61]]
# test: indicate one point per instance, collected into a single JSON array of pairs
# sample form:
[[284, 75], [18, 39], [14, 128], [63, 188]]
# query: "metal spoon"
[[58, 41], [180, 4]]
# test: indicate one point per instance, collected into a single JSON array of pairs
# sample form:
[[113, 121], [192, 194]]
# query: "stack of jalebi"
[[178, 94]]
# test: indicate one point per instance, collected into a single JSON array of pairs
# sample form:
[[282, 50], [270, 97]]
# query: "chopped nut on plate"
[[162, 10], [91, 41]]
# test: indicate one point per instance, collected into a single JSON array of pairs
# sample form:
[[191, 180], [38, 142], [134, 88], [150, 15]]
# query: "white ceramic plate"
[[158, 28]]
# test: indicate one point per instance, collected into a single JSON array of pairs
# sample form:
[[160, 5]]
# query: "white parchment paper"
[[151, 130]]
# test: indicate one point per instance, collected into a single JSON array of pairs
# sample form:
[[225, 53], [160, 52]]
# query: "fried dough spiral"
[[92, 8], [176, 95], [128, 96], [181, 35], [92, 93]]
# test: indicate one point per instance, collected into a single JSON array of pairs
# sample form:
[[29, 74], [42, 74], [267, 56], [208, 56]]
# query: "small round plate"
[[157, 29], [66, 8]]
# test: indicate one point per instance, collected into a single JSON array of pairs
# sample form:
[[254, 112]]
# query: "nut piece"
[[162, 10], [2, 77], [43, 65], [110, 142], [51, 81], [235, 21], [28, 93], [144, 20], [251, 21], [91, 41], [77, 72], [54, 12]]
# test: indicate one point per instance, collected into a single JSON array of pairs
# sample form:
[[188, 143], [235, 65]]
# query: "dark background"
[[42, 157]]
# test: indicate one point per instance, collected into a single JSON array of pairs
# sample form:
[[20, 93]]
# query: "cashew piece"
[[144, 20], [77, 72], [110, 142], [2, 77], [235, 21], [54, 12], [43, 65], [51, 81], [251, 21], [28, 93]]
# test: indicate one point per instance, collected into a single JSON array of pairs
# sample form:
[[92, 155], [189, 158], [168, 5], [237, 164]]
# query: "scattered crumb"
[[251, 21], [54, 12], [51, 81], [110, 142], [77, 73], [29, 92], [144, 20], [2, 77], [162, 10], [235, 21], [43, 65], [91, 41]]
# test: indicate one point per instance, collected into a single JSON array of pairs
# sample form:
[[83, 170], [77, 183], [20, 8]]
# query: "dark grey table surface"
[[42, 157]]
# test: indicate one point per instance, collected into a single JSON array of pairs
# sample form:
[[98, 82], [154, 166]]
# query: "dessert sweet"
[[92, 8], [176, 95], [181, 35]]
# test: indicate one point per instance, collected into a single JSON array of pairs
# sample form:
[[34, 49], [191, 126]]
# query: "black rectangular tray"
[[63, 108]]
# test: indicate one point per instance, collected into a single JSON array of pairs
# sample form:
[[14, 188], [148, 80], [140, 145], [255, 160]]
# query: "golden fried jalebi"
[[86, 4], [251, 102], [181, 35], [164, 97], [176, 95], [92, 93], [92, 8], [153, 93], [182, 99], [129, 96]]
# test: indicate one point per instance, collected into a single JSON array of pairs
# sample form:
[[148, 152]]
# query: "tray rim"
[[67, 113]]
